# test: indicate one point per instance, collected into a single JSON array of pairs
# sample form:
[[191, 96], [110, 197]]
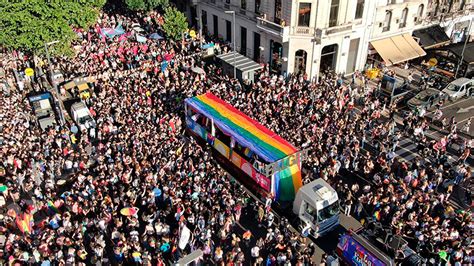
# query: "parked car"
[[425, 99], [82, 116], [459, 88]]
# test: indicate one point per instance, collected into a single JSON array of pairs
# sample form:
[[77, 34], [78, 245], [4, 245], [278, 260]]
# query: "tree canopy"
[[175, 23], [145, 5], [29, 24]]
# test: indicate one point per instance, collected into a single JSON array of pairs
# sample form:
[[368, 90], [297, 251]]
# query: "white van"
[[82, 116], [459, 88]]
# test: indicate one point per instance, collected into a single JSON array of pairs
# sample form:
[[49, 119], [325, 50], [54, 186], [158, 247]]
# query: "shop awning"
[[430, 37], [241, 62], [398, 49]]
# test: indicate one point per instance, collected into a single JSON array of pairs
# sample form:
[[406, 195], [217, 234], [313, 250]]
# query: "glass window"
[[312, 212], [243, 4], [403, 20], [419, 14], [388, 20], [328, 212], [334, 12], [359, 9], [257, 6], [304, 14], [277, 11]]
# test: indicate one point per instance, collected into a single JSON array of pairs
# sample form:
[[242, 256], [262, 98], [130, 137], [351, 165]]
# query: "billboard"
[[355, 254]]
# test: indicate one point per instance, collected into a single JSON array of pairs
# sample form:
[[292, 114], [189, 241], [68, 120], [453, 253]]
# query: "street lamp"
[[467, 35], [56, 91], [233, 37], [47, 52]]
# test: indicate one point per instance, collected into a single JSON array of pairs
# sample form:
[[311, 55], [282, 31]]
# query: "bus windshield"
[[328, 212]]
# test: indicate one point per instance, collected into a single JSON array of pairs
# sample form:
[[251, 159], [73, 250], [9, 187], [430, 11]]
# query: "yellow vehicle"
[[83, 86]]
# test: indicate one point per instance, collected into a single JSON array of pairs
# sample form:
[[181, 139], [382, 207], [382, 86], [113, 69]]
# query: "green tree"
[[146, 5], [175, 23], [29, 24]]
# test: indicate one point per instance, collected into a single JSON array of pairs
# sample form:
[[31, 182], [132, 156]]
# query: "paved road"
[[462, 110]]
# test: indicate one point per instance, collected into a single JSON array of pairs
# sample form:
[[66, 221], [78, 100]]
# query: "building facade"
[[311, 36]]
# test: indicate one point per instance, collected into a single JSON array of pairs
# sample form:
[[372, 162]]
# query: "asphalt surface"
[[462, 110]]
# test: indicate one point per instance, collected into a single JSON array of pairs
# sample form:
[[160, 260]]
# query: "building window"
[[257, 6], [228, 26], [243, 4], [243, 41], [304, 14], [216, 25], [359, 9], [227, 1], [388, 20], [334, 12], [403, 20], [419, 14], [278, 11]]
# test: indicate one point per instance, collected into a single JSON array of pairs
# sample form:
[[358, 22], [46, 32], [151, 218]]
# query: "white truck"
[[82, 116], [317, 206]]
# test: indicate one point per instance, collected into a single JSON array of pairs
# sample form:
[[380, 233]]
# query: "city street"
[[462, 110], [259, 133]]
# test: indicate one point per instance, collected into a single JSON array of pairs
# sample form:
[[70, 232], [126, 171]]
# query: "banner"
[[140, 38], [185, 236], [110, 33], [355, 253]]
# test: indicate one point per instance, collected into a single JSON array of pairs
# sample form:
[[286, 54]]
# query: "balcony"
[[273, 28], [338, 29]]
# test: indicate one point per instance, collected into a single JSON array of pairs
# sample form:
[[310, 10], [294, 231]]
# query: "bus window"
[[220, 135], [244, 152]]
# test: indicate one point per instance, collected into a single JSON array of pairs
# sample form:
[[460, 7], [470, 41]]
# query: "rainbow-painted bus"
[[273, 164], [264, 162]]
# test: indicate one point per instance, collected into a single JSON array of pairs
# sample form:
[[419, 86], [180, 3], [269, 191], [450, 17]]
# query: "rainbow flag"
[[53, 207], [377, 215], [25, 223], [243, 129], [249, 133]]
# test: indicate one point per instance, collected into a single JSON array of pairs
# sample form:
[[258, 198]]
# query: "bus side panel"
[[224, 150], [287, 183]]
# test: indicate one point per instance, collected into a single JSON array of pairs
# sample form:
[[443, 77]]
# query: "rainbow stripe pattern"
[[249, 133], [243, 129]]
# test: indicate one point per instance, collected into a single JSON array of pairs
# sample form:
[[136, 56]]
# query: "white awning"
[[398, 49]]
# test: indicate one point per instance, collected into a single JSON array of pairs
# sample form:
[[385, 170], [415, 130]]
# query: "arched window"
[[387, 21], [419, 14], [403, 19]]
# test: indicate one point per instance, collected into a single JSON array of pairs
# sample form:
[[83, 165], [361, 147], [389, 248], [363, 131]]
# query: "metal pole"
[[464, 48], [56, 91], [312, 54], [47, 55], [200, 28], [235, 70]]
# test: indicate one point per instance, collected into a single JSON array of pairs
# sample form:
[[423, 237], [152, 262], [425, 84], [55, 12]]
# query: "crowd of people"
[[138, 159]]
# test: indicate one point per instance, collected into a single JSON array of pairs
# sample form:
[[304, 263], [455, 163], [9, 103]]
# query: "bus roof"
[[246, 131]]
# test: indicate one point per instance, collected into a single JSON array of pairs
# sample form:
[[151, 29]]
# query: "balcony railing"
[[340, 28], [268, 25]]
